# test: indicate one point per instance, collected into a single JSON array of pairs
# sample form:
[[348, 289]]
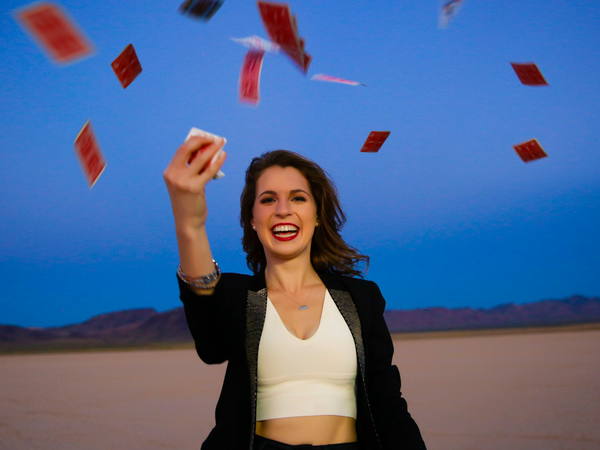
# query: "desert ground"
[[533, 391]]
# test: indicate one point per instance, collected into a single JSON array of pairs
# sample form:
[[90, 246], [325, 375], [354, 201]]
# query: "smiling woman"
[[329, 251], [309, 354]]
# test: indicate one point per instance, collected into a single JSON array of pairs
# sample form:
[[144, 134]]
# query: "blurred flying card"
[[323, 77], [250, 77], [89, 154], [530, 150], [529, 74], [374, 141], [197, 132], [200, 9], [127, 66], [448, 9], [279, 23], [53, 30], [258, 44], [282, 28]]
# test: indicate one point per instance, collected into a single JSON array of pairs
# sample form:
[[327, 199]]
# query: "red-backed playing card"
[[530, 150], [307, 61], [54, 32], [374, 141], [282, 28], [529, 74], [277, 19], [89, 154], [127, 66], [250, 77], [197, 132]]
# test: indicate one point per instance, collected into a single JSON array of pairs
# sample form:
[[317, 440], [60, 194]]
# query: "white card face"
[[198, 132]]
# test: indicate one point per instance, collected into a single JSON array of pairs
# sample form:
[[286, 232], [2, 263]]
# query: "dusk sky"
[[447, 211]]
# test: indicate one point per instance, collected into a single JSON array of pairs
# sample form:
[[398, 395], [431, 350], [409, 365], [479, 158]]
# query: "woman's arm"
[[186, 182]]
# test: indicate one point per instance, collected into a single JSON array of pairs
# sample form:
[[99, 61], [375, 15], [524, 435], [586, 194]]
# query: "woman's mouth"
[[285, 231]]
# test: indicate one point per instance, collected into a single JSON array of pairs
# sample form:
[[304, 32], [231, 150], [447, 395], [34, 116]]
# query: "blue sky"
[[448, 213]]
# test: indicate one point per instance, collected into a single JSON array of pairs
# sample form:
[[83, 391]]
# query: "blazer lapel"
[[256, 309], [346, 306]]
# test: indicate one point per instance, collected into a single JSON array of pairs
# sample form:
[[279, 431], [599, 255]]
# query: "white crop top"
[[311, 377]]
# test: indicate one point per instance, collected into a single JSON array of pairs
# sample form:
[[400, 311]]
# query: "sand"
[[519, 391]]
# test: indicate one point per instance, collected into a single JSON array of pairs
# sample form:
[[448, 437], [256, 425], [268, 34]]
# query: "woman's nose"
[[283, 209]]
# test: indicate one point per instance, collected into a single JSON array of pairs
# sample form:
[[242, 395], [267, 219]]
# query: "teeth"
[[284, 228]]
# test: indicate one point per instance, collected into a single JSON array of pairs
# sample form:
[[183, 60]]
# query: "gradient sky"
[[447, 211]]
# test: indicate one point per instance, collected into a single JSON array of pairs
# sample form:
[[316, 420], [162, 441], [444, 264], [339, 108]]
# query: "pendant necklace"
[[300, 307]]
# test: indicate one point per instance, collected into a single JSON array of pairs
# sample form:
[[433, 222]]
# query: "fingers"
[[213, 167], [201, 160], [192, 158], [191, 145]]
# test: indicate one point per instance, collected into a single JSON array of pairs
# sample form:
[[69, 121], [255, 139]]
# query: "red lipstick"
[[285, 231]]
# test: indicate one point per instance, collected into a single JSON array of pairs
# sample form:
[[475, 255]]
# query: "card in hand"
[[250, 77], [127, 66], [89, 154], [530, 150], [54, 32], [374, 141], [197, 132], [529, 74]]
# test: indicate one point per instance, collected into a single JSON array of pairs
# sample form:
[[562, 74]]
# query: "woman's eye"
[[299, 199], [266, 200]]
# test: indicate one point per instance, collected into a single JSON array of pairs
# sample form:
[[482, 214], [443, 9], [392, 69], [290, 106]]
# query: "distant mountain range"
[[147, 327]]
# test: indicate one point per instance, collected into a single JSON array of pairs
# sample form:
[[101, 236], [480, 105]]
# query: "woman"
[[308, 351]]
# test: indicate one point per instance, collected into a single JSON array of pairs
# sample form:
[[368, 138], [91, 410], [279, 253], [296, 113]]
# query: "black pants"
[[262, 443]]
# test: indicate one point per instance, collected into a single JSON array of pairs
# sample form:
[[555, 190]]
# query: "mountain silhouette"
[[146, 326]]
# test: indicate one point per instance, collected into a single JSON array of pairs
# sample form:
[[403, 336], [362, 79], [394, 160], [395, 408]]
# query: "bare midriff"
[[314, 430]]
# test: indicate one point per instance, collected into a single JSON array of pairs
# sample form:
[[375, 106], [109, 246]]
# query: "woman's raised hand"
[[186, 180]]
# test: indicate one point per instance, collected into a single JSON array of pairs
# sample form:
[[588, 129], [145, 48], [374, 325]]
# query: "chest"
[[300, 323], [330, 350]]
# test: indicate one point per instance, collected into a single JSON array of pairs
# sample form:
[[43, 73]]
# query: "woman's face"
[[284, 213]]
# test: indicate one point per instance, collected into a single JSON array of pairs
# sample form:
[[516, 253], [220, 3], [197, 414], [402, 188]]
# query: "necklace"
[[300, 307]]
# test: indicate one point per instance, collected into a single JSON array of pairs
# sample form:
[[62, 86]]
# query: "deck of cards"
[[60, 38], [197, 132]]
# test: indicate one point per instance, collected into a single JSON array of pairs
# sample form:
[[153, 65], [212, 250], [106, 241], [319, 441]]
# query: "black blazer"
[[227, 326]]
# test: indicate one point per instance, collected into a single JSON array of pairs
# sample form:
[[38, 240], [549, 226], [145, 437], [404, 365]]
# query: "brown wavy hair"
[[329, 252]]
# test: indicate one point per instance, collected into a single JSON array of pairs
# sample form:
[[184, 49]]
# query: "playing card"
[[127, 66], [197, 132], [323, 77], [257, 44], [201, 9], [282, 28], [374, 141], [277, 18], [54, 32], [530, 150], [307, 61], [448, 9], [529, 74], [89, 154], [250, 77]]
